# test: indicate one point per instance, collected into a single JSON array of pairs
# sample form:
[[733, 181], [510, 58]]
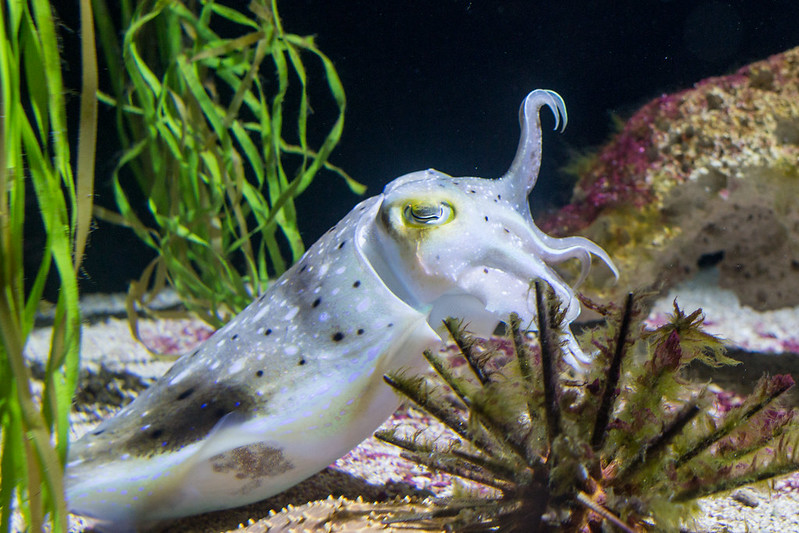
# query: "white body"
[[295, 380]]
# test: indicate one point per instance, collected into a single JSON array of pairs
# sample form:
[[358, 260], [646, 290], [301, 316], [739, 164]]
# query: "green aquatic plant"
[[628, 446], [216, 134], [35, 157]]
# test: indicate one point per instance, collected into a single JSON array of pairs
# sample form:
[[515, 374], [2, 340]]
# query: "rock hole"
[[710, 259]]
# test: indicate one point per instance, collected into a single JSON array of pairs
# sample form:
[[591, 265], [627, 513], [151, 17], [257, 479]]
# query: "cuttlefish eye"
[[428, 214]]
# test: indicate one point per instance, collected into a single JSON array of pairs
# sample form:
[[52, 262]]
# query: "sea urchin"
[[627, 445]]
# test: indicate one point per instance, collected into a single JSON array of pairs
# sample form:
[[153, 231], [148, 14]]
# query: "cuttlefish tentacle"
[[522, 175], [579, 248], [520, 178], [557, 250]]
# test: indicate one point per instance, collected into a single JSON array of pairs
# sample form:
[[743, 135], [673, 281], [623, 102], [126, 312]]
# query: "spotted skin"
[[295, 380]]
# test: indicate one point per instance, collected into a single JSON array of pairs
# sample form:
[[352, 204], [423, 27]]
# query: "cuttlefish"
[[294, 381]]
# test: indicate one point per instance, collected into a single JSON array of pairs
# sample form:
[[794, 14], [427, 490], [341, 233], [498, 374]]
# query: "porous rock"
[[704, 176], [336, 515]]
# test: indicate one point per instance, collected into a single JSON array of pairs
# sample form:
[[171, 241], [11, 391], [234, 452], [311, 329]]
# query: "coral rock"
[[708, 175], [334, 515]]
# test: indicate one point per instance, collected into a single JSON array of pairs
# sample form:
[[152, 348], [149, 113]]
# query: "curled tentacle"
[[580, 248], [523, 172], [557, 250]]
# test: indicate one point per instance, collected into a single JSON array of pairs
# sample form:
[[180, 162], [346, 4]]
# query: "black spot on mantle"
[[170, 425]]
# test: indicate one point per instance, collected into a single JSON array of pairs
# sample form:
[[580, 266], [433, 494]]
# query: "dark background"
[[437, 83]]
